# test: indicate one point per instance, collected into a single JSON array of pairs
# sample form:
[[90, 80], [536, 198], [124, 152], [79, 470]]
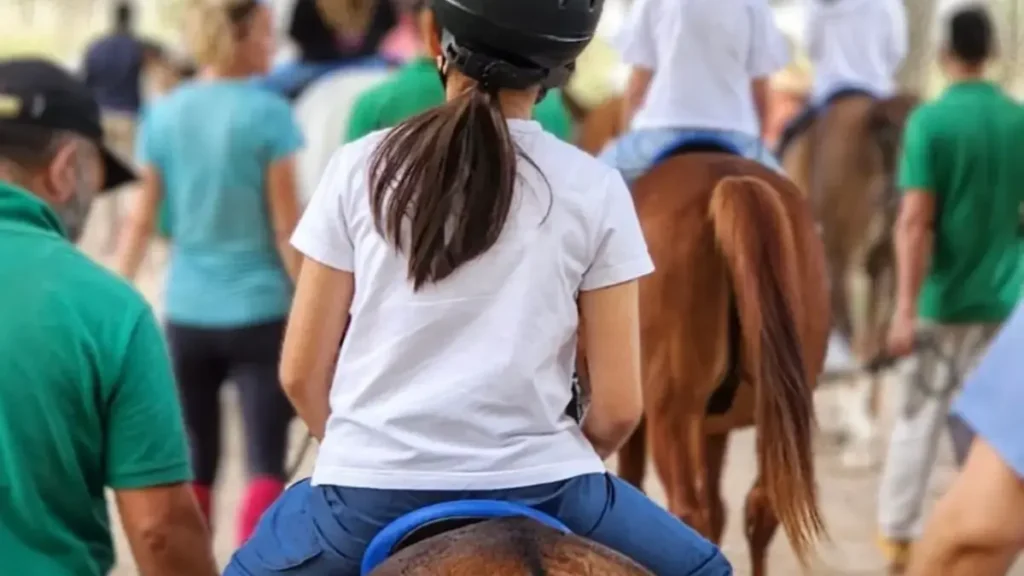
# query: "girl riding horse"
[[700, 71], [467, 246]]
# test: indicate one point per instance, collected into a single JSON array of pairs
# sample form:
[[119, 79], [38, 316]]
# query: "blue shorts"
[[324, 530], [635, 152], [992, 397]]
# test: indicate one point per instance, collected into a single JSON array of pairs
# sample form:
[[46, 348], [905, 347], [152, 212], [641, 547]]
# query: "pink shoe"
[[204, 498], [260, 494]]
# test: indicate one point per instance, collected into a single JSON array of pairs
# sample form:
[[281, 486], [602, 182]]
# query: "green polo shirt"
[[416, 87], [967, 148], [87, 400]]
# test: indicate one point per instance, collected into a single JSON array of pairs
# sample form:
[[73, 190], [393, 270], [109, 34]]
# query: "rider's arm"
[[638, 49], [611, 336], [322, 299], [916, 220], [147, 464], [609, 316], [768, 54], [760, 88], [977, 528], [636, 91], [283, 140]]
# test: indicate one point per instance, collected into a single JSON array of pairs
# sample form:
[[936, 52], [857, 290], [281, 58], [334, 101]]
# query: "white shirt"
[[856, 43], [464, 384], [704, 54]]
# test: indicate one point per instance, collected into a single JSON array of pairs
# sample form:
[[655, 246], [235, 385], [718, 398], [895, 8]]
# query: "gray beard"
[[74, 213]]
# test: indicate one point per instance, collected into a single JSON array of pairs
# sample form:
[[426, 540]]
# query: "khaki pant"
[[922, 407]]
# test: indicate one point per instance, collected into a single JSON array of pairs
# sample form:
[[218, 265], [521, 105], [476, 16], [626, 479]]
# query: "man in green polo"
[[958, 256], [87, 400], [416, 87]]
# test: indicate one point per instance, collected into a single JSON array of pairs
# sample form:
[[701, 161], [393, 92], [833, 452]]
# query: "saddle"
[[803, 121], [438, 519], [696, 143]]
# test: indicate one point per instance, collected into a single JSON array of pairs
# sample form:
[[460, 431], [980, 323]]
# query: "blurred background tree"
[[62, 28]]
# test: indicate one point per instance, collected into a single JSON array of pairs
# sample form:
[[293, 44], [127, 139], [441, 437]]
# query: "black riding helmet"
[[516, 43]]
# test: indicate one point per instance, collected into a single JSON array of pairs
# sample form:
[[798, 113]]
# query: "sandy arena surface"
[[848, 497]]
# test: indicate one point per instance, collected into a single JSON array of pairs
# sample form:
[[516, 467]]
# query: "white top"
[[704, 54], [464, 384], [856, 43]]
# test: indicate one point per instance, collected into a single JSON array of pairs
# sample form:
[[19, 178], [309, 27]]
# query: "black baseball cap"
[[38, 93]]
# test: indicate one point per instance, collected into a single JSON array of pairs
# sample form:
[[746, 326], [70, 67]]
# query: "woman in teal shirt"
[[219, 153]]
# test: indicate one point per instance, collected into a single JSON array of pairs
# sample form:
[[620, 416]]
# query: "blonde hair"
[[211, 35], [349, 17]]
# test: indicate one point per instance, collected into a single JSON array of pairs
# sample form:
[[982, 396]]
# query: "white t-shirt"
[[464, 384], [704, 54], [856, 43]]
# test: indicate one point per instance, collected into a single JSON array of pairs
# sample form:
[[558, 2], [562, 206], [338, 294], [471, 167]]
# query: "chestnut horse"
[[508, 547], [734, 327], [845, 162]]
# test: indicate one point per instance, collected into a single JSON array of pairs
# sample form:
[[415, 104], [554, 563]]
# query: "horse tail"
[[756, 237]]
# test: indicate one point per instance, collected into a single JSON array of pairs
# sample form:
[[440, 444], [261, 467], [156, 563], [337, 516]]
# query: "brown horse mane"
[[508, 547]]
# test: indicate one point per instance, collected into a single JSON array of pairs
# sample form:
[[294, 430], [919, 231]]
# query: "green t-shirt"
[[966, 148], [87, 398], [416, 87]]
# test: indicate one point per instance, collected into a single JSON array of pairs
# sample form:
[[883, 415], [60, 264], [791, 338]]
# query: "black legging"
[[204, 358]]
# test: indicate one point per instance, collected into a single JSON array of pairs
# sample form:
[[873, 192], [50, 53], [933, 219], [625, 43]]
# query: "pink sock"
[[260, 494], [204, 497]]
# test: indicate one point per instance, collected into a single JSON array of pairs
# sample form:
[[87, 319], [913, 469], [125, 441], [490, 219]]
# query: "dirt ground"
[[848, 498]]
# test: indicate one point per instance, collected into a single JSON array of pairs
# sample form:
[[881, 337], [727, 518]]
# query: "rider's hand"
[[901, 333]]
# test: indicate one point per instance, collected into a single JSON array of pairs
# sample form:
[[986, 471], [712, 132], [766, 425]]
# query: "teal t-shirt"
[[212, 143], [87, 398], [416, 87]]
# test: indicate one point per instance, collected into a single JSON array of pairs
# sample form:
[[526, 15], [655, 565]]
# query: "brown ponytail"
[[446, 179]]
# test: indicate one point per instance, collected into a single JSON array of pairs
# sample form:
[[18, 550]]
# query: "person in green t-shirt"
[[87, 400], [958, 257], [416, 87]]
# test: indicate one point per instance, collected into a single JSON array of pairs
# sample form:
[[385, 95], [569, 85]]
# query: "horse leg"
[[716, 448], [633, 457], [671, 452], [858, 397], [760, 524]]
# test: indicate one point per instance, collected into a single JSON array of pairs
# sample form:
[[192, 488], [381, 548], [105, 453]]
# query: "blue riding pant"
[[635, 152], [324, 530]]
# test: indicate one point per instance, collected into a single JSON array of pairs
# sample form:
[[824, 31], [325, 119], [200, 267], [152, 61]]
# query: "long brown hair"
[[442, 184]]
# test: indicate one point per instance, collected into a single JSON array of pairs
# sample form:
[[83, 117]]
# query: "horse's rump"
[[508, 547], [736, 249]]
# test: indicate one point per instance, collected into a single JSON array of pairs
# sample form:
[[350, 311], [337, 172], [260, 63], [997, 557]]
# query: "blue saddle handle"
[[384, 542]]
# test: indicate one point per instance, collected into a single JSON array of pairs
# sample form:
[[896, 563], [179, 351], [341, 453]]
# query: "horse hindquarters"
[[756, 236]]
